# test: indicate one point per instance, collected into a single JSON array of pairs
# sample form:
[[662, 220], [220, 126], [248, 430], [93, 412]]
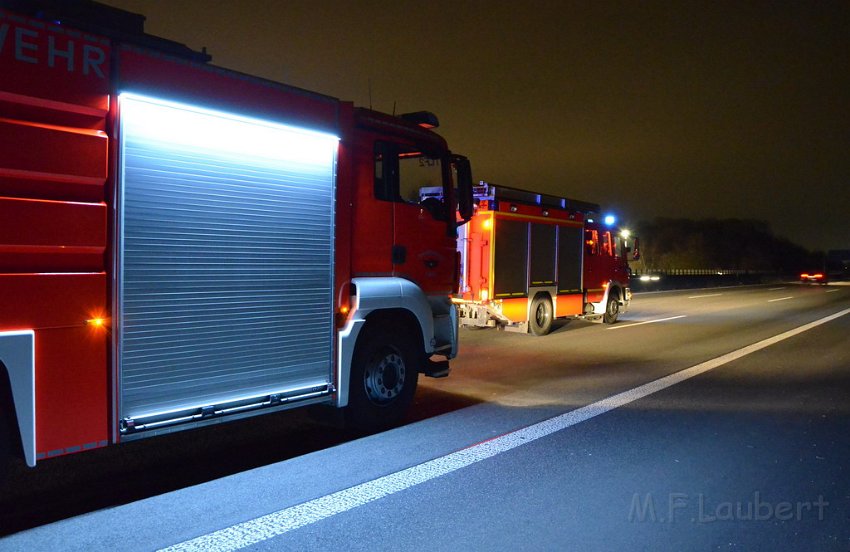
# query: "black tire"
[[612, 309], [541, 315], [384, 373]]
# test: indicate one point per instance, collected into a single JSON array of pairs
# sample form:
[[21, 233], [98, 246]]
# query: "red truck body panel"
[[53, 221]]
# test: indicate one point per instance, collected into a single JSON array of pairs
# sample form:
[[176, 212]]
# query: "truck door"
[[602, 263], [594, 271], [225, 241], [422, 251]]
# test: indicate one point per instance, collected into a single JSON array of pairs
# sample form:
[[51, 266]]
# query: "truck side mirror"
[[636, 250], [464, 187]]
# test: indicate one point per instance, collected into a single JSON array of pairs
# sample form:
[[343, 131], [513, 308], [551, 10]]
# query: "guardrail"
[[696, 272], [692, 278]]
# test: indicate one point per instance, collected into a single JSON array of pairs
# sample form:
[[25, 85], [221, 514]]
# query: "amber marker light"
[[96, 322], [342, 316]]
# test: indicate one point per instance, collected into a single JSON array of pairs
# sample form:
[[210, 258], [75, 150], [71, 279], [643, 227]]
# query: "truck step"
[[436, 369]]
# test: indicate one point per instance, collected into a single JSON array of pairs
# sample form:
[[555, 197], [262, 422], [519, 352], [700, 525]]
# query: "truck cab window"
[[607, 244], [591, 242], [621, 247], [402, 171]]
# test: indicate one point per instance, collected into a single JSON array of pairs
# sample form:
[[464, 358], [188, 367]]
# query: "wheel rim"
[[541, 316], [613, 307], [384, 378]]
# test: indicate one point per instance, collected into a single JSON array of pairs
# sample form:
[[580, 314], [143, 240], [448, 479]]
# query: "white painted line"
[[780, 299], [621, 326], [701, 296], [777, 289], [832, 290], [278, 523]]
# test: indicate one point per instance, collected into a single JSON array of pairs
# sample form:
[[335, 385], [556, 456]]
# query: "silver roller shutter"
[[226, 258]]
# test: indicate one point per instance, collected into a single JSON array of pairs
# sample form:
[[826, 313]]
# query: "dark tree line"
[[732, 244]]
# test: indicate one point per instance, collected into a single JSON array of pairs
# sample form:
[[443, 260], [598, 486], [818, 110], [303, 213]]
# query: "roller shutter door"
[[225, 261]]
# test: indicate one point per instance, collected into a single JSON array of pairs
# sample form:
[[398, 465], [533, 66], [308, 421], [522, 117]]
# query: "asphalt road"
[[667, 431]]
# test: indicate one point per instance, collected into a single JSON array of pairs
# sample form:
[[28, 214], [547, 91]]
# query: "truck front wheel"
[[384, 374], [612, 309]]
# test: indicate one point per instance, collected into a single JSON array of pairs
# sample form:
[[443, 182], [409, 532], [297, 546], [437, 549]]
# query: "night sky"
[[674, 109]]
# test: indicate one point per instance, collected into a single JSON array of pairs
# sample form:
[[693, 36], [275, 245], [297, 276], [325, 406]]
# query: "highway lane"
[[583, 361], [752, 456], [503, 382]]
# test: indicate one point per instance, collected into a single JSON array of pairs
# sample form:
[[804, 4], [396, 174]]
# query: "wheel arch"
[[538, 293], [611, 287], [397, 316], [375, 300], [17, 368], [535, 292]]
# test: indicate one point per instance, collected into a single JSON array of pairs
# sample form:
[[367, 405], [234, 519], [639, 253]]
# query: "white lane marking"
[[831, 290], [281, 522], [621, 326], [780, 299], [777, 289], [708, 295]]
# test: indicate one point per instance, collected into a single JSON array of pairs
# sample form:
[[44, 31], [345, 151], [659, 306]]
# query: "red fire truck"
[[528, 258], [181, 244]]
